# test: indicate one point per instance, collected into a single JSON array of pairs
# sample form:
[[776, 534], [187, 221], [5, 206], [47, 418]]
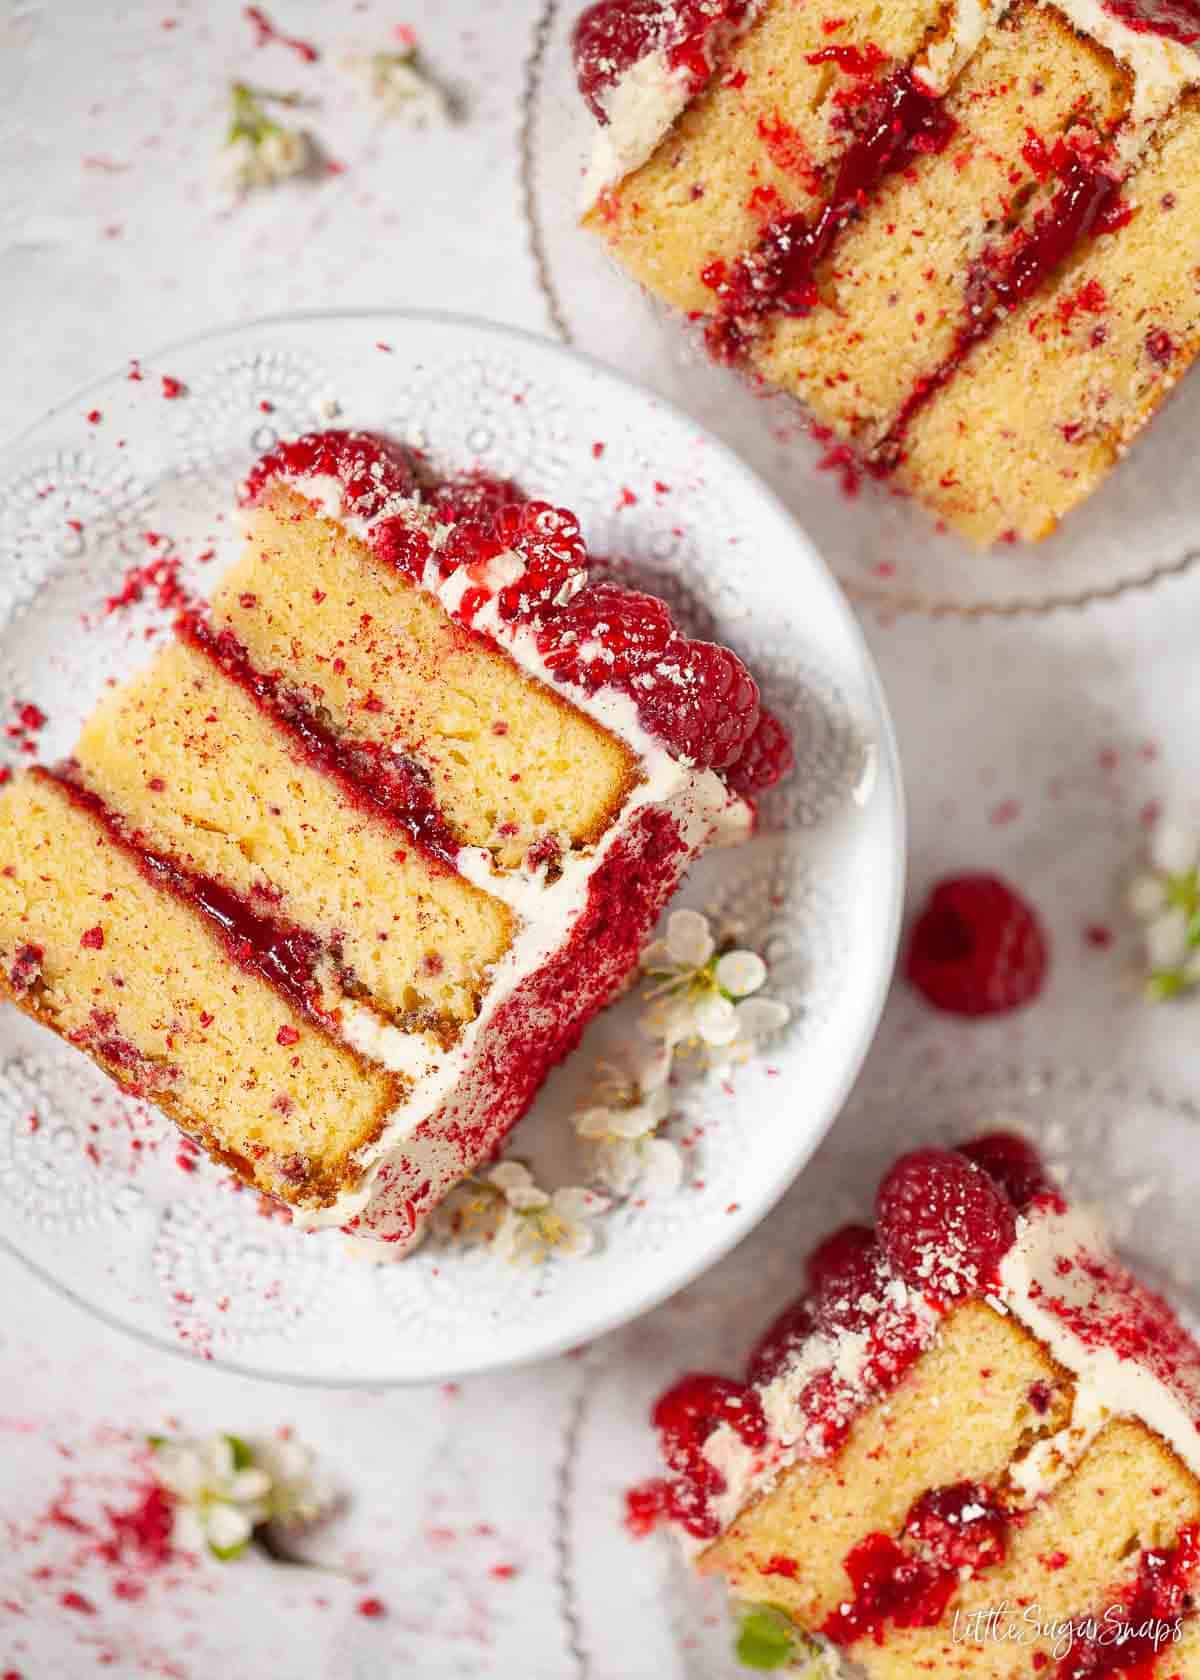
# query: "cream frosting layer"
[[703, 809]]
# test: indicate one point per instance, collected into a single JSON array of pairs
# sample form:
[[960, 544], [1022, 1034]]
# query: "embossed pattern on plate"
[[98, 1195]]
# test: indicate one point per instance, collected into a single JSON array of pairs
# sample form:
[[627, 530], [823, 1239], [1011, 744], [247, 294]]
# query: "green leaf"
[[766, 1638], [226, 1554], [1163, 984], [156, 1441], [243, 1458]]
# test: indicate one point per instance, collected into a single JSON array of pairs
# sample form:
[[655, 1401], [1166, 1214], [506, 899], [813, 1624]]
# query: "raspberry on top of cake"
[[974, 1407], [345, 871], [961, 233]]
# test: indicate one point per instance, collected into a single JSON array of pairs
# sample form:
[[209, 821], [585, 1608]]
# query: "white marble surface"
[[1030, 746]]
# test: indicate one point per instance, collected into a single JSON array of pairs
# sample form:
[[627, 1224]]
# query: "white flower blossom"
[[523, 1222], [699, 997], [221, 1495], [1165, 898], [299, 1495], [258, 151], [621, 1119], [401, 86]]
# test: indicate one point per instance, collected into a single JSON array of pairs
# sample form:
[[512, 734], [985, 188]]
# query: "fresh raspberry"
[[943, 1223], [830, 1405], [702, 702], [609, 38], [776, 1347], [370, 469], [766, 758], [606, 635], [548, 539], [686, 1415], [848, 1276], [1013, 1162], [400, 543], [959, 1527], [477, 496], [977, 948]]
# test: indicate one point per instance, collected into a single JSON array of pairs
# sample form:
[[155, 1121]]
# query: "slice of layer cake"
[[346, 869], [974, 1431], [964, 235]]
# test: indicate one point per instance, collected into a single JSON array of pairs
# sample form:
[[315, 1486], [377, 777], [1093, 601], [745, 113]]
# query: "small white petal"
[[716, 1020], [656, 957], [576, 1241], [593, 1122], [510, 1175], [617, 1165], [662, 1166], [218, 1458], [1167, 940], [245, 1486], [525, 1198], [689, 942], [572, 1203], [1174, 849], [671, 1020], [180, 1468], [1146, 896], [759, 1016], [226, 1526], [741, 972], [650, 1066], [187, 1531]]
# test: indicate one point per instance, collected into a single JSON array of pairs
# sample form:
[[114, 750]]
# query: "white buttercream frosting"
[[701, 806]]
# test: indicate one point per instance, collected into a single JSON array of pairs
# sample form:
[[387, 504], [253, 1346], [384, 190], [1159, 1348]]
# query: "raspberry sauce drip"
[[1179, 20], [613, 35], [904, 122], [948, 1530], [371, 778], [283, 955], [1160, 1595], [1084, 205]]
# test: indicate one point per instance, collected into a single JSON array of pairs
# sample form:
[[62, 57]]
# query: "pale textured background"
[[1029, 746]]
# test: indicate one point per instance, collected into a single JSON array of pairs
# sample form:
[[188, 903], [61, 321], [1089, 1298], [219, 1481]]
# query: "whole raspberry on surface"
[[609, 38], [369, 468], [701, 701], [766, 758], [686, 1415], [549, 541], [943, 1222], [977, 948], [1013, 1162], [478, 496], [607, 634]]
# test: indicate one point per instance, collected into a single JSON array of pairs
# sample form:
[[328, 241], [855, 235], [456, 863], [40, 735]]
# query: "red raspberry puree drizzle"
[[944, 1221], [283, 955], [1085, 205], [904, 121], [397, 789], [611, 36]]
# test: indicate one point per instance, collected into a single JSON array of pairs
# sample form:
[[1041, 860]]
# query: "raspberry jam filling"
[[945, 1218], [283, 955], [1179, 20], [948, 1533], [1086, 204], [697, 698], [371, 778], [1138, 1642], [613, 35], [903, 122]]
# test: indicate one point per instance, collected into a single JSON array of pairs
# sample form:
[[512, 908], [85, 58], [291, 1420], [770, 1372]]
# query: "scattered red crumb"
[[503, 1571], [94, 417], [172, 387], [1007, 811], [92, 939], [597, 451], [371, 1608], [266, 32], [1098, 936], [287, 1035], [76, 1601]]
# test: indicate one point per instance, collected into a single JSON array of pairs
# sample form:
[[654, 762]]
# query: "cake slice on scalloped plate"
[[974, 1432], [346, 870]]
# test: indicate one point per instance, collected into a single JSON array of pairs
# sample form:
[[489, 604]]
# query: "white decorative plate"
[[633, 1607], [1141, 526], [94, 1193]]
